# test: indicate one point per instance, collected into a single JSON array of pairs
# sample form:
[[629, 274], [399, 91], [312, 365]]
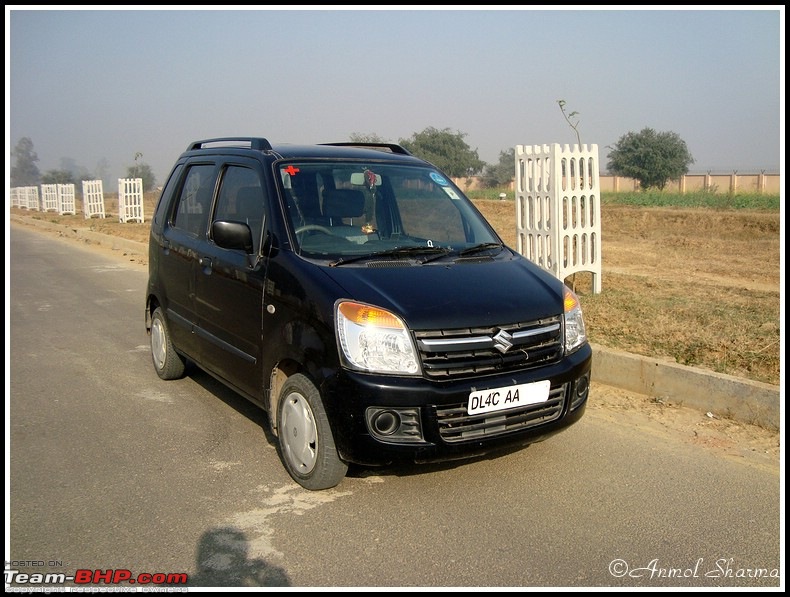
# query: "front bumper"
[[380, 420]]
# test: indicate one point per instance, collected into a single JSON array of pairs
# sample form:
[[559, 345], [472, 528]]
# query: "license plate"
[[494, 399]]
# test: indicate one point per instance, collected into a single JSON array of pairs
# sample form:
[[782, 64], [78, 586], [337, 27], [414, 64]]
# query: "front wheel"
[[167, 362], [307, 447]]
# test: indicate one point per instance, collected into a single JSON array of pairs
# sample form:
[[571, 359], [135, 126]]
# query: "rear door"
[[182, 237]]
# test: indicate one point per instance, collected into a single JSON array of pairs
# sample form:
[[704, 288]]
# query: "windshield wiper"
[[396, 252], [478, 248], [463, 252]]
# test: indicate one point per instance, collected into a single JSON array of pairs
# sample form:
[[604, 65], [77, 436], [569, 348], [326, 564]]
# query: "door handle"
[[205, 264]]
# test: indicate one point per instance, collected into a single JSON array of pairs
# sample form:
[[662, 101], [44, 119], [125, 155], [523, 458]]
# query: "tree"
[[651, 158], [141, 170], [133, 169], [25, 173], [77, 172], [446, 150], [366, 138], [571, 123], [102, 170], [502, 173], [57, 177]]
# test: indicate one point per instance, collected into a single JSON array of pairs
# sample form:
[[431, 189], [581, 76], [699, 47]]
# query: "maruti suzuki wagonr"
[[356, 295]]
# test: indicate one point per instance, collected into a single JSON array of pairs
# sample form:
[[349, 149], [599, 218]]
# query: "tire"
[[167, 362], [307, 447]]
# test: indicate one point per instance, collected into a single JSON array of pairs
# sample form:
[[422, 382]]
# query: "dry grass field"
[[700, 287], [697, 286]]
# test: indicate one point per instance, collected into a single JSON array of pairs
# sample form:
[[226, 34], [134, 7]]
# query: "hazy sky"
[[95, 86]]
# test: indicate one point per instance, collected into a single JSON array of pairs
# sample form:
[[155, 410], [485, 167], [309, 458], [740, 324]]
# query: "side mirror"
[[232, 235]]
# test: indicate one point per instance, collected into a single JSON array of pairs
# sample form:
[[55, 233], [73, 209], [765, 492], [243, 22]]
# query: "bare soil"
[[697, 286]]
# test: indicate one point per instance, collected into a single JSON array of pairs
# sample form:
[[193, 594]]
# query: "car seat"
[[340, 208]]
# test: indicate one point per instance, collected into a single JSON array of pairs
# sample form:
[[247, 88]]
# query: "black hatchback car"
[[357, 296]]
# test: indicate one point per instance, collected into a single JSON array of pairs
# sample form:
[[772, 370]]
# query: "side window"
[[194, 203], [241, 199], [165, 199]]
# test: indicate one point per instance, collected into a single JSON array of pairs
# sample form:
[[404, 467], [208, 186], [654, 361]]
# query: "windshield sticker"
[[439, 179], [286, 174], [451, 193]]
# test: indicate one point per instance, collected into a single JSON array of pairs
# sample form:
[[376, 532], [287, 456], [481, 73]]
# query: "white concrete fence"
[[60, 198], [130, 200], [25, 198], [66, 203], [93, 199], [49, 197], [54, 197], [558, 202]]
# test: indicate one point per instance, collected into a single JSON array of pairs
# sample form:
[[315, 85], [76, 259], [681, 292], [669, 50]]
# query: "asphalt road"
[[114, 469]]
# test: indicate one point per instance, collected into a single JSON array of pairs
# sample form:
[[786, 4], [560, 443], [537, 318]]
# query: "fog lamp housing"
[[394, 425], [580, 389]]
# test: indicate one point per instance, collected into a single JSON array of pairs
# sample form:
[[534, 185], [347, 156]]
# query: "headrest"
[[343, 203]]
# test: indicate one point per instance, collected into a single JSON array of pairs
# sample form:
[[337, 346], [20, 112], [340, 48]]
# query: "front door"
[[229, 285]]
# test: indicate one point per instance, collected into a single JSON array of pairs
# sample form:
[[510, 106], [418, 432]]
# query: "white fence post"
[[130, 200], [30, 198], [558, 223], [66, 199], [93, 198], [25, 198], [49, 197]]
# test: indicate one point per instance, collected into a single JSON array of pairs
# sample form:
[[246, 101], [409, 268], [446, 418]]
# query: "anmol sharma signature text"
[[720, 568]]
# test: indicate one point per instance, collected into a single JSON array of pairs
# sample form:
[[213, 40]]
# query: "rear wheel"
[[167, 362], [307, 446]]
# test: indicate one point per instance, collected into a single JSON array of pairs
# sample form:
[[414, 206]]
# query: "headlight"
[[575, 334], [374, 340]]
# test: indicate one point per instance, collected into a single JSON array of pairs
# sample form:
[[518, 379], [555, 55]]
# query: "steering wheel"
[[316, 227]]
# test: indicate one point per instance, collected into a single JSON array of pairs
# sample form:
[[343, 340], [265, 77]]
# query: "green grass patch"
[[700, 199], [751, 201]]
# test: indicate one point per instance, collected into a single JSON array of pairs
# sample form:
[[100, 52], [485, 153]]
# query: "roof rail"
[[391, 147], [258, 143]]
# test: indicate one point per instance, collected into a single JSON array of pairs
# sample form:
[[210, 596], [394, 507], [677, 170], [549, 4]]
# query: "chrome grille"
[[455, 425], [446, 354]]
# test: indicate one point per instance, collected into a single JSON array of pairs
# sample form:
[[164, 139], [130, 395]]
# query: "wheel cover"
[[158, 343], [299, 434]]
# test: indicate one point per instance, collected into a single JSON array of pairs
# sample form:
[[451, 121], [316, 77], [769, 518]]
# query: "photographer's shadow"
[[223, 561]]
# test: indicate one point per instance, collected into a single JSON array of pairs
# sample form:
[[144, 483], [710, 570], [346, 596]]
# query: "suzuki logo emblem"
[[502, 341]]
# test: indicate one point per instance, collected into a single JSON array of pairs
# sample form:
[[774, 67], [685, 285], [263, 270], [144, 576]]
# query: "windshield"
[[347, 211]]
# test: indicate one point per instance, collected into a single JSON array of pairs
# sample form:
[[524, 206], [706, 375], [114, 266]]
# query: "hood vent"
[[394, 263]]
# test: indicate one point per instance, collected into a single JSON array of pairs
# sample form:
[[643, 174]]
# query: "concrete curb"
[[723, 395]]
